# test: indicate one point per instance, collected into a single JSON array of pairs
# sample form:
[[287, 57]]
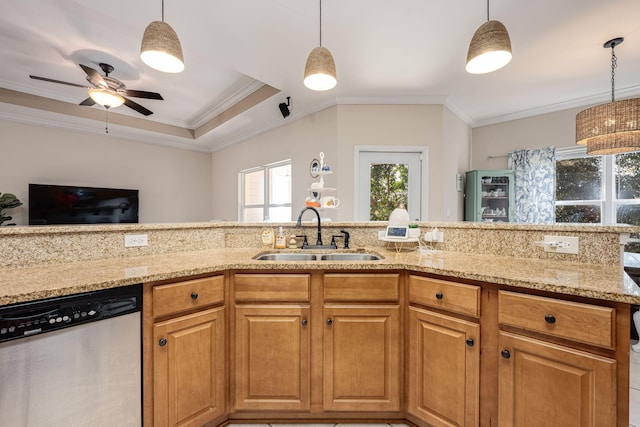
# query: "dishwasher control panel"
[[32, 318]]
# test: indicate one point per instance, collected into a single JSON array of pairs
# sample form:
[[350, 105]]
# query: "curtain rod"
[[497, 157]]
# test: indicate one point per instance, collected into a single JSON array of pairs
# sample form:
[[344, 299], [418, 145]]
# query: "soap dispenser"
[[281, 240]]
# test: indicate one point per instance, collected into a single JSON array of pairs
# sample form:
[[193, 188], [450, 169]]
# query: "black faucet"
[[344, 236], [318, 244]]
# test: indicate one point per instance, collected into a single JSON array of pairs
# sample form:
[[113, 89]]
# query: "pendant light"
[[490, 47], [613, 127], [320, 71], [161, 48]]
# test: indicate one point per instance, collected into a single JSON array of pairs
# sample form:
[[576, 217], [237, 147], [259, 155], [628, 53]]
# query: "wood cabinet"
[[362, 342], [444, 353], [188, 352], [272, 342], [272, 357], [542, 384], [540, 380], [362, 358]]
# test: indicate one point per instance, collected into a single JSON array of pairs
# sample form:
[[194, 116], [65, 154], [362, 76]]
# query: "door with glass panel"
[[387, 179]]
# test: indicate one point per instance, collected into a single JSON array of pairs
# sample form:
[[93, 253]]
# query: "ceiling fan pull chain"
[[106, 121]]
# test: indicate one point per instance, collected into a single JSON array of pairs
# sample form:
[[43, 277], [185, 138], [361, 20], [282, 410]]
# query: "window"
[[265, 193], [597, 189]]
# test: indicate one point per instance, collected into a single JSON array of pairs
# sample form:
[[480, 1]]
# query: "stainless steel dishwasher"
[[72, 361]]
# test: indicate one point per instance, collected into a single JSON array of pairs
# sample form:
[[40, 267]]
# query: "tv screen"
[[62, 204]]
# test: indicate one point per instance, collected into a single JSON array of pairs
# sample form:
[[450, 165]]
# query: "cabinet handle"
[[194, 295], [470, 342], [550, 319], [439, 295], [329, 322], [304, 322], [505, 354], [162, 342]]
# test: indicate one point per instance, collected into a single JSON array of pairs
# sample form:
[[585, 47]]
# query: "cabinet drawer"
[[579, 322], [361, 287], [184, 296], [451, 296], [272, 287]]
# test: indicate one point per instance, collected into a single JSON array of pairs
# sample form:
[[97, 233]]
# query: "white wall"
[[301, 141], [174, 184], [336, 131], [556, 129]]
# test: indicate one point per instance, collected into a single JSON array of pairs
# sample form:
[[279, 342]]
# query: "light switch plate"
[[561, 244]]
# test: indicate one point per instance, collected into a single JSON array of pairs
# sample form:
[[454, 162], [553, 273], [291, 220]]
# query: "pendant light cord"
[[487, 10], [614, 64], [320, 23], [162, 10]]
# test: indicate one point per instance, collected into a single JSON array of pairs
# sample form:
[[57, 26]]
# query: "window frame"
[[608, 202], [266, 200]]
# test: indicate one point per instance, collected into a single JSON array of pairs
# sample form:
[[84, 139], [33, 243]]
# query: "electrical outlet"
[[133, 240], [434, 235], [561, 244]]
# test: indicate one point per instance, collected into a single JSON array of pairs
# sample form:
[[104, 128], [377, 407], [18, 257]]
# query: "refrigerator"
[[489, 196]]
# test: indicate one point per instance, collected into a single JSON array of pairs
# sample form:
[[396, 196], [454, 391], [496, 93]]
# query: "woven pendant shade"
[[490, 48], [161, 48], [610, 128], [320, 71]]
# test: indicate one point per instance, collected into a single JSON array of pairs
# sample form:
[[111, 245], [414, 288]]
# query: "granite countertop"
[[605, 282]]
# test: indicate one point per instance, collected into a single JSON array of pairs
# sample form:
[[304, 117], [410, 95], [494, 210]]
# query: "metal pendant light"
[[490, 47], [320, 70], [613, 127], [161, 47]]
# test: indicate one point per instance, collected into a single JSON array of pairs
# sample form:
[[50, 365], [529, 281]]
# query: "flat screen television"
[[63, 204]]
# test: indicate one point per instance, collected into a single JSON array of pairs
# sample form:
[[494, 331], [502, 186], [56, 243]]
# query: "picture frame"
[[314, 168]]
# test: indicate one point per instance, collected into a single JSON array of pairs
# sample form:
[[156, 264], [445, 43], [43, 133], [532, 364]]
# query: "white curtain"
[[535, 184]]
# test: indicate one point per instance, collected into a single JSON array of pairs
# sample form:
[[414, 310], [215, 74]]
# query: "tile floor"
[[634, 403], [634, 391]]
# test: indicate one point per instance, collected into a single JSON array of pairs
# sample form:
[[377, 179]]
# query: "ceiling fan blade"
[[93, 76], [56, 81], [143, 94], [88, 102], [135, 106]]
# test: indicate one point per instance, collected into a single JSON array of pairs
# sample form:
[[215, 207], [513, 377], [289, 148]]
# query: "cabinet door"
[[444, 363], [189, 369], [272, 357], [542, 384], [362, 358]]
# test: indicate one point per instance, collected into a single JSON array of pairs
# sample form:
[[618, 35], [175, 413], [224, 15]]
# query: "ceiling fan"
[[108, 91]]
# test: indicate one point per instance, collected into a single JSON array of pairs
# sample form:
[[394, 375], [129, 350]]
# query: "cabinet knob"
[[304, 322], [439, 295], [470, 342], [505, 354], [194, 295], [329, 322], [162, 342], [550, 318]]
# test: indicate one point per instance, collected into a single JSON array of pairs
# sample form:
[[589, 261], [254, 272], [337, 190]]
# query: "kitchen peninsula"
[[357, 338]]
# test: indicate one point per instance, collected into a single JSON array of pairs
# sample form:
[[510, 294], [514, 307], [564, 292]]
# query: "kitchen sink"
[[296, 256], [286, 257], [349, 257]]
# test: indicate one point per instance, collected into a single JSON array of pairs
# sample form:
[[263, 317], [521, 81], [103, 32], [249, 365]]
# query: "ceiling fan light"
[[490, 48], [320, 70], [161, 49], [106, 98]]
